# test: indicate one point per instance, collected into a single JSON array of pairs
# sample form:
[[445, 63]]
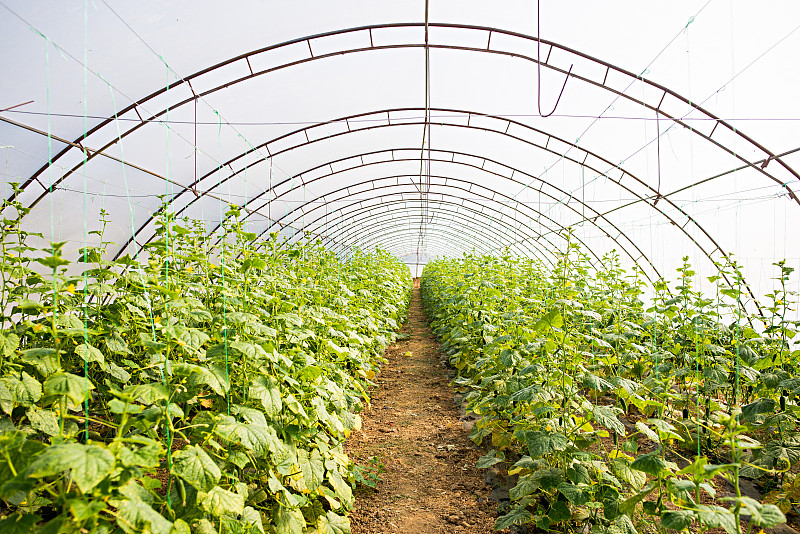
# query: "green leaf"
[[622, 469], [196, 467], [89, 464], [43, 360], [6, 398], [259, 439], [25, 391], [116, 344], [665, 429], [251, 415], [291, 319], [650, 463], [762, 515], [676, 519], [776, 449], [251, 517], [221, 501], [549, 477], [681, 490], [629, 505], [343, 490], [332, 523], [283, 459], [578, 474], [526, 484], [250, 350], [119, 407], [648, 433], [193, 339], [117, 372], [83, 511], [518, 515], [75, 388], [136, 516], [266, 390], [199, 375], [182, 527], [9, 344], [288, 520], [489, 459], [751, 411], [541, 443], [607, 416], [716, 517], [551, 319], [147, 393], [90, 354], [151, 345], [28, 306], [622, 525], [43, 420], [204, 526], [295, 407], [52, 262], [559, 511], [573, 493], [18, 523], [312, 467]]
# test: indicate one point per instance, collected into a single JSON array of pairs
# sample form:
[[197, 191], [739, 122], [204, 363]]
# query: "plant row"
[[616, 416], [200, 387]]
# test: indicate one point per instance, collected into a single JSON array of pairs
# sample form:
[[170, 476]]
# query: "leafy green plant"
[[582, 390], [196, 387]]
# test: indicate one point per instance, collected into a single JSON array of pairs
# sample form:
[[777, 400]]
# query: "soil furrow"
[[428, 483]]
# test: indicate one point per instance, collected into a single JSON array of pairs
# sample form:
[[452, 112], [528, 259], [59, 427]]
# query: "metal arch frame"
[[368, 219], [408, 244], [440, 233], [340, 235], [187, 81], [333, 236], [514, 170], [618, 182], [440, 245], [381, 236], [328, 222], [448, 218], [499, 219], [403, 246], [656, 196], [308, 39], [404, 122]]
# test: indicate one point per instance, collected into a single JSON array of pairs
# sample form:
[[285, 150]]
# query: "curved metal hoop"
[[245, 62], [364, 213], [659, 105]]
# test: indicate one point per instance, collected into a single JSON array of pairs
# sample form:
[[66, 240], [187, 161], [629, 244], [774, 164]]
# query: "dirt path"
[[429, 483]]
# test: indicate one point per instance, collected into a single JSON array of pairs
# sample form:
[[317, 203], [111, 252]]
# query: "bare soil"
[[429, 482]]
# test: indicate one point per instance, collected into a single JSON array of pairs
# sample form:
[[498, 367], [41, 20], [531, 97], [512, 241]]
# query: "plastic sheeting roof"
[[363, 123]]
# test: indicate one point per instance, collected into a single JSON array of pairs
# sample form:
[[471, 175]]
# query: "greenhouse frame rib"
[[660, 103], [652, 105]]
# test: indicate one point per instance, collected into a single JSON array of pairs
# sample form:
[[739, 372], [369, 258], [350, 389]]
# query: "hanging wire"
[[222, 265], [539, 68], [377, 120], [85, 229], [424, 170]]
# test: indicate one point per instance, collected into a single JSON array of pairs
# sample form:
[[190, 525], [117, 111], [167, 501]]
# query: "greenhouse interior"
[[434, 266]]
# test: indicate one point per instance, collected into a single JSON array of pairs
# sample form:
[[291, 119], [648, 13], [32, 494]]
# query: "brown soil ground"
[[429, 482]]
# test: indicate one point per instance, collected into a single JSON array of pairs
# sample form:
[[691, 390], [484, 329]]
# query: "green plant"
[[193, 387], [582, 389]]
